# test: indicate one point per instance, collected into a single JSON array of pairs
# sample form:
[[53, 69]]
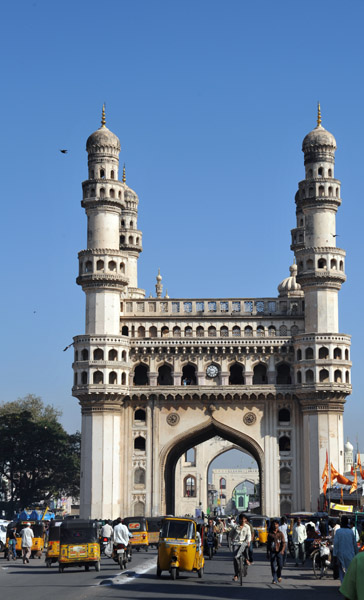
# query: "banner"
[[341, 507]]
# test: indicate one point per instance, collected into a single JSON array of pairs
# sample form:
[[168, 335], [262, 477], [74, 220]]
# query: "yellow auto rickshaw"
[[260, 524], [180, 547], [54, 533], [38, 540], [79, 544], [139, 530], [154, 525]]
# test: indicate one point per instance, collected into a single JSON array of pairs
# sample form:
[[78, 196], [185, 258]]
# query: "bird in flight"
[[335, 235], [64, 151]]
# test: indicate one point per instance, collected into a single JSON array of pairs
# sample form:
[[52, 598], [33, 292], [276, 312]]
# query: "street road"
[[36, 582]]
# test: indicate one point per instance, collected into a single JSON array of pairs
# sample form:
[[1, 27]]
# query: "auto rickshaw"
[[139, 530], [79, 545], [54, 533], [154, 525], [38, 540], [180, 547], [260, 524]]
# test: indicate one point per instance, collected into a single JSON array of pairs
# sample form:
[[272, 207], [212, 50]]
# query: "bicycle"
[[242, 564], [321, 558]]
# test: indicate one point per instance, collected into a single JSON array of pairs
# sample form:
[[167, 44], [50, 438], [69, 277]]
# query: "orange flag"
[[325, 472], [324, 486], [334, 474], [343, 480], [354, 484], [359, 466]]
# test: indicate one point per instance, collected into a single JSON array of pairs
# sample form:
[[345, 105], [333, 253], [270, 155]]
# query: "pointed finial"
[[318, 115], [103, 118], [124, 176], [159, 285]]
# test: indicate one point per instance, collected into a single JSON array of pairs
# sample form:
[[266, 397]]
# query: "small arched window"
[[271, 331], [112, 265], [285, 476], [309, 353], [248, 331], [189, 487], [323, 352], [283, 330], [84, 378], [236, 331], [125, 330], [141, 332], [259, 374], [324, 376], [284, 415], [284, 444], [139, 443], [102, 173], [140, 415], [188, 331], [321, 190], [100, 265], [236, 376], [165, 375], [152, 332], [299, 354], [222, 483], [211, 331], [224, 332], [112, 378], [346, 354], [123, 355], [176, 331], [309, 264], [321, 263], [123, 378], [320, 172], [112, 193], [141, 373], [112, 174], [333, 264], [283, 374], [189, 375], [200, 332], [165, 332], [98, 354], [309, 376], [341, 265], [113, 355], [331, 191], [338, 376], [337, 354], [88, 267], [329, 172], [347, 377], [98, 377], [299, 377], [260, 331], [102, 193], [122, 268], [84, 354]]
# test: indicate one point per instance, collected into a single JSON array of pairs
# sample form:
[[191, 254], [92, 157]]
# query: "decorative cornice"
[[101, 252]]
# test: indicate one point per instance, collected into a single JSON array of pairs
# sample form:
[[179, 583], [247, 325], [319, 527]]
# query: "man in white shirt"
[[122, 535], [284, 529], [240, 535], [27, 536], [106, 530], [299, 536]]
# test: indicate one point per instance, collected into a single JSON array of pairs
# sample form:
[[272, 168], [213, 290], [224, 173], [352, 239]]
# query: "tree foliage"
[[38, 458]]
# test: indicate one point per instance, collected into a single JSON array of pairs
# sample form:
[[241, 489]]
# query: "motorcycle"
[[120, 555], [103, 544], [209, 544]]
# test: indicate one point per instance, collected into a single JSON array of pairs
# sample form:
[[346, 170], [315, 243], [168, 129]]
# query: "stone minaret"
[[322, 366], [107, 273]]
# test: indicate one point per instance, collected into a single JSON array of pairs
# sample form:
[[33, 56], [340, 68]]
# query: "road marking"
[[129, 575]]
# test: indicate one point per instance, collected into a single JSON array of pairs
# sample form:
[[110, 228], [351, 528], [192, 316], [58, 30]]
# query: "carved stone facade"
[[156, 376]]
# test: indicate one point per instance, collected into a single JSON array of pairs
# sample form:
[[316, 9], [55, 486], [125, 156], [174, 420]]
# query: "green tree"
[[38, 458]]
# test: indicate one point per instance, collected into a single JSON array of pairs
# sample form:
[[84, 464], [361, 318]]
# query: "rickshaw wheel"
[[48, 564], [146, 548], [159, 572], [87, 567], [173, 573], [97, 566], [200, 572], [60, 569]]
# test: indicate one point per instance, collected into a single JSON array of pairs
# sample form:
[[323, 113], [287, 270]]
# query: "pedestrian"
[[27, 536], [283, 527], [275, 550], [220, 531], [299, 535], [12, 543], [251, 545], [352, 587], [240, 537], [345, 546]]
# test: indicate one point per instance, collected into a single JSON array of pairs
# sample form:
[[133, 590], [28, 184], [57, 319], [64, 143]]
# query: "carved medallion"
[[249, 418], [173, 419]]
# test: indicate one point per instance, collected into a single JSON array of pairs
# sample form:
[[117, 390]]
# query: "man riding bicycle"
[[241, 537]]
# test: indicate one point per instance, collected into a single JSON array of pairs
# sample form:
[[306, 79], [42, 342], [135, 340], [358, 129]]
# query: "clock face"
[[212, 371]]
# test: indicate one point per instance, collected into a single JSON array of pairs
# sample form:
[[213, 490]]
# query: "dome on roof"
[[289, 284], [318, 137], [103, 137], [348, 446]]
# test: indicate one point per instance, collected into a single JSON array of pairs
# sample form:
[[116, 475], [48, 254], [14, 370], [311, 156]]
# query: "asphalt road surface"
[[36, 582]]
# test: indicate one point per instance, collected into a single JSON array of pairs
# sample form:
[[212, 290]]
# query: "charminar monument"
[[157, 376]]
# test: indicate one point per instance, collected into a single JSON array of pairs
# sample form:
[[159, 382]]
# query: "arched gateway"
[[156, 376]]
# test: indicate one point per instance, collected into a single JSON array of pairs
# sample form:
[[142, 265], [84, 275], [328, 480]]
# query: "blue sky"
[[211, 102]]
